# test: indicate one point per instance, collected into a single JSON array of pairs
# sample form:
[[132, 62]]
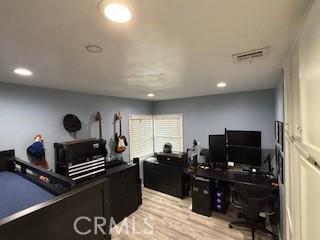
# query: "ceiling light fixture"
[[23, 72], [150, 95], [117, 13], [221, 85], [94, 48]]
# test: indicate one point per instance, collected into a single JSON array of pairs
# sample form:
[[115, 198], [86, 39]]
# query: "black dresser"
[[125, 190], [169, 179], [84, 161]]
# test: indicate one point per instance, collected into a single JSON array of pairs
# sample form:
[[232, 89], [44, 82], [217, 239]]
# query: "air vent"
[[250, 56]]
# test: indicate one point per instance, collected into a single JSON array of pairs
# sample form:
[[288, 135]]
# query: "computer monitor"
[[243, 138], [244, 155], [217, 149]]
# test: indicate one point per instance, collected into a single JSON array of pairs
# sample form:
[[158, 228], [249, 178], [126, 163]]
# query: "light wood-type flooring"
[[172, 219]]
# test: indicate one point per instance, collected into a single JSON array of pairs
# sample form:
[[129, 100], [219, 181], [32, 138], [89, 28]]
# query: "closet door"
[[288, 206], [310, 199], [295, 137], [308, 147], [310, 82]]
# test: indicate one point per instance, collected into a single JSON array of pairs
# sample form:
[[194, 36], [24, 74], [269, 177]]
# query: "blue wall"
[[27, 111], [279, 101], [211, 114]]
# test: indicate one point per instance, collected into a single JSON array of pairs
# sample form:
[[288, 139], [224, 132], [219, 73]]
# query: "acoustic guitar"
[[120, 140]]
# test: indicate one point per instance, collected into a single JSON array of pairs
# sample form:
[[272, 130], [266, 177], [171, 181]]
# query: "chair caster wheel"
[[230, 226]]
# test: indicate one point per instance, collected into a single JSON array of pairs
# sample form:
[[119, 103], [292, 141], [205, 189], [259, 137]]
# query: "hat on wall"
[[71, 123]]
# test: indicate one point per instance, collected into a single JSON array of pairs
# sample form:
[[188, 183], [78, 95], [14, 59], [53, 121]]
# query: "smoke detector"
[[250, 56]]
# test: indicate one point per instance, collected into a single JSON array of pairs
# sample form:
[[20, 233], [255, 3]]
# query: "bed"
[[32, 209]]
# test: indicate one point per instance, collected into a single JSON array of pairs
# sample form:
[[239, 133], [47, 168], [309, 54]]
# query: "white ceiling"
[[175, 48]]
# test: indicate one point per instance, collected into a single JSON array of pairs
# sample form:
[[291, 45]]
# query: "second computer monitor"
[[243, 138], [244, 147], [244, 155]]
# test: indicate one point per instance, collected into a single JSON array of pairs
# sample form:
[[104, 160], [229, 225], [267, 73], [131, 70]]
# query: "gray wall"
[[27, 111], [211, 114]]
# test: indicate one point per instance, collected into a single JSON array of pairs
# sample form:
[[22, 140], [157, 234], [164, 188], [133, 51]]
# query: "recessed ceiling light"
[[150, 95], [221, 85], [23, 72], [117, 13], [94, 48]]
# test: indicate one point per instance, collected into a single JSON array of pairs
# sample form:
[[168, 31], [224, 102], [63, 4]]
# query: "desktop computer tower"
[[201, 196], [220, 197]]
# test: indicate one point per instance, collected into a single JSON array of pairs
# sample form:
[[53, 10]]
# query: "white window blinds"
[[148, 133], [141, 136], [168, 129]]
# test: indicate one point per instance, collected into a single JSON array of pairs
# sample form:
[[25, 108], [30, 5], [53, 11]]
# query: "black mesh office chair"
[[252, 200]]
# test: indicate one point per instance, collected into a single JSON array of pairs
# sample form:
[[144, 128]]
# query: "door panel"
[[310, 81], [288, 190], [310, 199], [302, 145]]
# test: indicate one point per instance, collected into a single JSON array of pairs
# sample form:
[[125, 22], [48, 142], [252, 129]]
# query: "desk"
[[231, 176]]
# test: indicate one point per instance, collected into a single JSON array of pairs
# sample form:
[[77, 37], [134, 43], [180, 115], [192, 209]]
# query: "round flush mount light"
[[94, 48], [23, 72], [117, 12], [150, 95], [221, 85]]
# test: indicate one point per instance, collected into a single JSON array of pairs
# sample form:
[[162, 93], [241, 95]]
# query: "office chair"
[[252, 200]]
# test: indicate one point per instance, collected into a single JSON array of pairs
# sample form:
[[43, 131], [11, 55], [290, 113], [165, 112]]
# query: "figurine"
[[36, 153]]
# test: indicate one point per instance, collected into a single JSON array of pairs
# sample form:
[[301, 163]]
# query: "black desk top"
[[237, 176]]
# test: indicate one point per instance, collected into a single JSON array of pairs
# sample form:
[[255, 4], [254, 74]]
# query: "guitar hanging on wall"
[[120, 140], [98, 119]]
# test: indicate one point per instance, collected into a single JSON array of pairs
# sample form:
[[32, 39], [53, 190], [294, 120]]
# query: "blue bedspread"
[[17, 193]]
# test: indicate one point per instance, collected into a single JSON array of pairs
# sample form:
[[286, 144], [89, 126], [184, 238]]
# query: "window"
[[141, 136], [168, 129], [148, 133]]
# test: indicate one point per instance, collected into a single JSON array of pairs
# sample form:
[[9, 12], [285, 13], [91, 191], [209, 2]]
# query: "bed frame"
[[54, 219]]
